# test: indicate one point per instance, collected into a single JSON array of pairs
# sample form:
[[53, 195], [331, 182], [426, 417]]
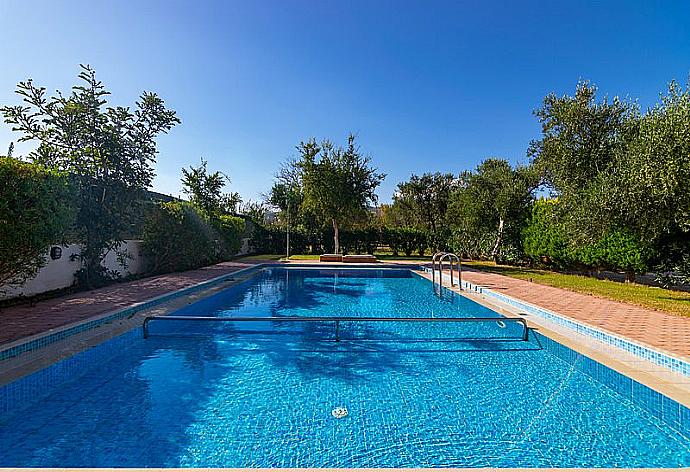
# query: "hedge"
[[36, 211], [272, 240], [546, 242], [178, 237]]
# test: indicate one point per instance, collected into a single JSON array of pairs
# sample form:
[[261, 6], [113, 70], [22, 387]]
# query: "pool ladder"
[[438, 260]]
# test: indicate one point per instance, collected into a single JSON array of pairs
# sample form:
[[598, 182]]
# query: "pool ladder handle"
[[438, 258], [334, 319]]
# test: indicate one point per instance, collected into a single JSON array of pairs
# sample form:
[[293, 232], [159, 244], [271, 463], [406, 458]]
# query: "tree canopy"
[[338, 183], [422, 203], [36, 210], [205, 190], [108, 153], [489, 206]]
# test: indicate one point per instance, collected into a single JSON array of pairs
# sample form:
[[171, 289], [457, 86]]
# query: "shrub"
[[36, 210], [230, 229], [544, 240], [617, 250], [177, 237]]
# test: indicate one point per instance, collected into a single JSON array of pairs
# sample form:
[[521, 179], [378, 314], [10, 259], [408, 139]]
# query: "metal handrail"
[[450, 257], [438, 258], [335, 319]]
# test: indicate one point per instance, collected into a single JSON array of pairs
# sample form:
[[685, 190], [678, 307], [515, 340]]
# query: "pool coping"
[[659, 356], [38, 341]]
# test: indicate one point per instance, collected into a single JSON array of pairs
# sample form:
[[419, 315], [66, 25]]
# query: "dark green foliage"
[[617, 250], [36, 210], [177, 236], [108, 152], [544, 239], [271, 239], [620, 173], [230, 229], [547, 243], [338, 183], [422, 203], [489, 208], [205, 190]]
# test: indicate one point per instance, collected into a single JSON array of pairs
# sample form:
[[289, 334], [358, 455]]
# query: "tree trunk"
[[336, 239], [630, 276], [499, 239]]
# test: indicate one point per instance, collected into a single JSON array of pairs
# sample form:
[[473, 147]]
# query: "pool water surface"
[[262, 394]]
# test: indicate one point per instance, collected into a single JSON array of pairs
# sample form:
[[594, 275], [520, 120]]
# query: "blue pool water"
[[261, 394]]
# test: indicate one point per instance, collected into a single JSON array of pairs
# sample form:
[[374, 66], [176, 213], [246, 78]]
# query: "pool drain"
[[340, 412], [501, 324]]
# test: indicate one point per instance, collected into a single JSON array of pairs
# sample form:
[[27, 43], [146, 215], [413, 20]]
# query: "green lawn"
[[315, 257], [261, 257], [656, 298]]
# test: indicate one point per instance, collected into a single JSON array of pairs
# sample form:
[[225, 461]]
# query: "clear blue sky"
[[427, 86]]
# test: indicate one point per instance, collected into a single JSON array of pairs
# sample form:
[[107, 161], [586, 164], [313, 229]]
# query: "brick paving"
[[655, 328], [19, 321]]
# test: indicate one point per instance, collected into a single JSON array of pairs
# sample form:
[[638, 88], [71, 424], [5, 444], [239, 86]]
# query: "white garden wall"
[[59, 273]]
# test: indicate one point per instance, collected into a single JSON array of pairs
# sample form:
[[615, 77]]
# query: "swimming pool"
[[263, 394]]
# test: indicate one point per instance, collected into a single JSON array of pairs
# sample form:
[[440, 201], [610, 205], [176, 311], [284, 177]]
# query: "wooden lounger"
[[331, 258], [359, 258]]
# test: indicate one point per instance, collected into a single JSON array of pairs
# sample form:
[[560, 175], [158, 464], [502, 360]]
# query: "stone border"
[[643, 351], [41, 340]]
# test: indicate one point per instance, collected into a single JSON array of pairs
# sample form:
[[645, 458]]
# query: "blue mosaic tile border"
[[43, 341], [669, 411], [673, 363], [26, 391]]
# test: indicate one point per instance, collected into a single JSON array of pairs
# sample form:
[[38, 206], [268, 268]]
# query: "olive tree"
[[422, 202], [489, 206], [338, 183], [108, 152]]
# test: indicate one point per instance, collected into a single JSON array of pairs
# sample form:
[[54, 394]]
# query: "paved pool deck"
[[661, 330], [25, 320]]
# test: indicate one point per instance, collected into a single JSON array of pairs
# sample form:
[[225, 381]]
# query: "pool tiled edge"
[[644, 352], [39, 341]]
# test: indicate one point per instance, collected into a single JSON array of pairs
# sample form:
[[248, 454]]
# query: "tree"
[[489, 204], [621, 175], [648, 192], [422, 202], [108, 152], [36, 210], [581, 139], [205, 189], [338, 183], [257, 211]]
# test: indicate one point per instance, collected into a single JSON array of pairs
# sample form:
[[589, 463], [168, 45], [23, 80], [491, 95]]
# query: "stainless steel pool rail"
[[338, 319], [438, 259]]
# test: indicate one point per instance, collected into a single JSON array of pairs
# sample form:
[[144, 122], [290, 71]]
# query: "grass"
[[261, 257], [655, 298], [315, 257]]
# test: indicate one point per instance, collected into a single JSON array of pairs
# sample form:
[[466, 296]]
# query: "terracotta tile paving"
[[24, 320], [663, 330]]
